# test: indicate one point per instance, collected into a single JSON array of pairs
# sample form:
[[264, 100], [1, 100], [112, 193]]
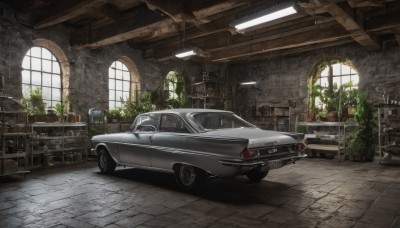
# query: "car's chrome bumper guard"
[[263, 162]]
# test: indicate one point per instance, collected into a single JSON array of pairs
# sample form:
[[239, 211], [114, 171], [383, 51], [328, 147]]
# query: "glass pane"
[[46, 54], [324, 73], [336, 69], [111, 84], [111, 95], [111, 73], [56, 80], [47, 103], [36, 52], [46, 91], [46, 67], [46, 79], [36, 64], [324, 82], [125, 95], [118, 104], [124, 68], [126, 86], [56, 94], [118, 74], [126, 75], [345, 79], [56, 68], [26, 90], [36, 78], [111, 104], [118, 85], [337, 81], [26, 63], [345, 70], [118, 95], [118, 65], [26, 77]]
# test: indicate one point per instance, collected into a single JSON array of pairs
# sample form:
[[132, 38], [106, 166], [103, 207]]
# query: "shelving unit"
[[389, 133], [273, 118], [207, 92], [57, 144], [327, 137], [13, 137]]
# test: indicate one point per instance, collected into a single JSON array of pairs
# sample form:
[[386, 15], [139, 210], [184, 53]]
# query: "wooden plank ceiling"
[[160, 28]]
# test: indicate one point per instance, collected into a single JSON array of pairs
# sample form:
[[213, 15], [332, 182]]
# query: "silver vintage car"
[[196, 144]]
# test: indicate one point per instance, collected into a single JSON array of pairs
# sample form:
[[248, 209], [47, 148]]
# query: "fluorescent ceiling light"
[[270, 16], [248, 83], [185, 53]]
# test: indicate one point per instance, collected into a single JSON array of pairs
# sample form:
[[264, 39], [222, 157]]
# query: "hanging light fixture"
[[186, 53], [279, 11]]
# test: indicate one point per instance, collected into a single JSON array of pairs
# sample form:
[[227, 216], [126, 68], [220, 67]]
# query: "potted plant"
[[114, 115], [361, 143], [34, 106]]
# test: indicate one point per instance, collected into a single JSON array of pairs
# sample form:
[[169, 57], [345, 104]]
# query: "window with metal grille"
[[41, 69], [119, 84]]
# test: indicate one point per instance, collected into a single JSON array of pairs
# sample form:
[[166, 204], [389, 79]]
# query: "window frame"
[[54, 71]]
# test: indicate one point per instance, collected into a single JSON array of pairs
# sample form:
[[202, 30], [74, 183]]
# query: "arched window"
[[174, 87], [119, 84], [171, 82], [333, 86], [41, 69]]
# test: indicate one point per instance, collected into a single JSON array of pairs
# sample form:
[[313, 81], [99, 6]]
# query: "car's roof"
[[187, 110]]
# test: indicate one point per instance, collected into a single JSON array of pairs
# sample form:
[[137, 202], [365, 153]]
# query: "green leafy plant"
[[63, 107], [114, 114], [361, 143], [129, 110], [33, 104]]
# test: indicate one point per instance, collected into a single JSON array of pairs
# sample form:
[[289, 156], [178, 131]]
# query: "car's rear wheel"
[[188, 177], [256, 175], [105, 162]]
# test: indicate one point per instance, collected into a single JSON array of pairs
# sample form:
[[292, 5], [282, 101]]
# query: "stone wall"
[[85, 72], [285, 78], [278, 79]]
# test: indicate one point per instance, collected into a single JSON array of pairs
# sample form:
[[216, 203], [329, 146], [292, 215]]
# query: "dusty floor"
[[311, 193]]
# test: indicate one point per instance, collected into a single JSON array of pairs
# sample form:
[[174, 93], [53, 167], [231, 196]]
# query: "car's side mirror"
[[146, 128]]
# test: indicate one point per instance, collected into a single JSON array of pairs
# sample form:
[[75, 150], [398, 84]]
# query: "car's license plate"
[[275, 165]]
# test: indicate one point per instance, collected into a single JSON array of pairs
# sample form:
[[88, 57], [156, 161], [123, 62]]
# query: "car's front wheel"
[[188, 177], [256, 175], [105, 162]]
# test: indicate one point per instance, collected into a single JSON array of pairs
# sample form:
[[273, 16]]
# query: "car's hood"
[[257, 137]]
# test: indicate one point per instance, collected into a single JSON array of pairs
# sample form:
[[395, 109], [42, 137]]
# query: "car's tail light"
[[246, 153], [300, 146]]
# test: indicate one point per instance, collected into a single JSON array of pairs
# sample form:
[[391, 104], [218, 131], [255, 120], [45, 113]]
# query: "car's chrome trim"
[[245, 163]]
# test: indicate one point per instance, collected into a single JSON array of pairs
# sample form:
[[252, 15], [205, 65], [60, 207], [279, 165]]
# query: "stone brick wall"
[[278, 79], [87, 76], [285, 78]]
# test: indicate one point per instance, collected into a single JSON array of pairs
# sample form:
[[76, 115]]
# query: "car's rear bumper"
[[273, 163]]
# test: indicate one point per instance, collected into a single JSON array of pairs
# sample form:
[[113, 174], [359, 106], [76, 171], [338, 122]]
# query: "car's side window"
[[172, 123], [147, 122]]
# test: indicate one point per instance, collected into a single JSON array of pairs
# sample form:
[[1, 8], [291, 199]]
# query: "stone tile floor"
[[311, 193]]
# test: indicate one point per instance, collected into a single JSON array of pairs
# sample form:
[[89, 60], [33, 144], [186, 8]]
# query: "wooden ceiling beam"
[[173, 8], [125, 29], [66, 10], [220, 46], [317, 36], [365, 39]]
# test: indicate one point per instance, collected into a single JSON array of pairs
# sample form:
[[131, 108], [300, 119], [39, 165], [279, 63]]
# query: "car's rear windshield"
[[219, 120]]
